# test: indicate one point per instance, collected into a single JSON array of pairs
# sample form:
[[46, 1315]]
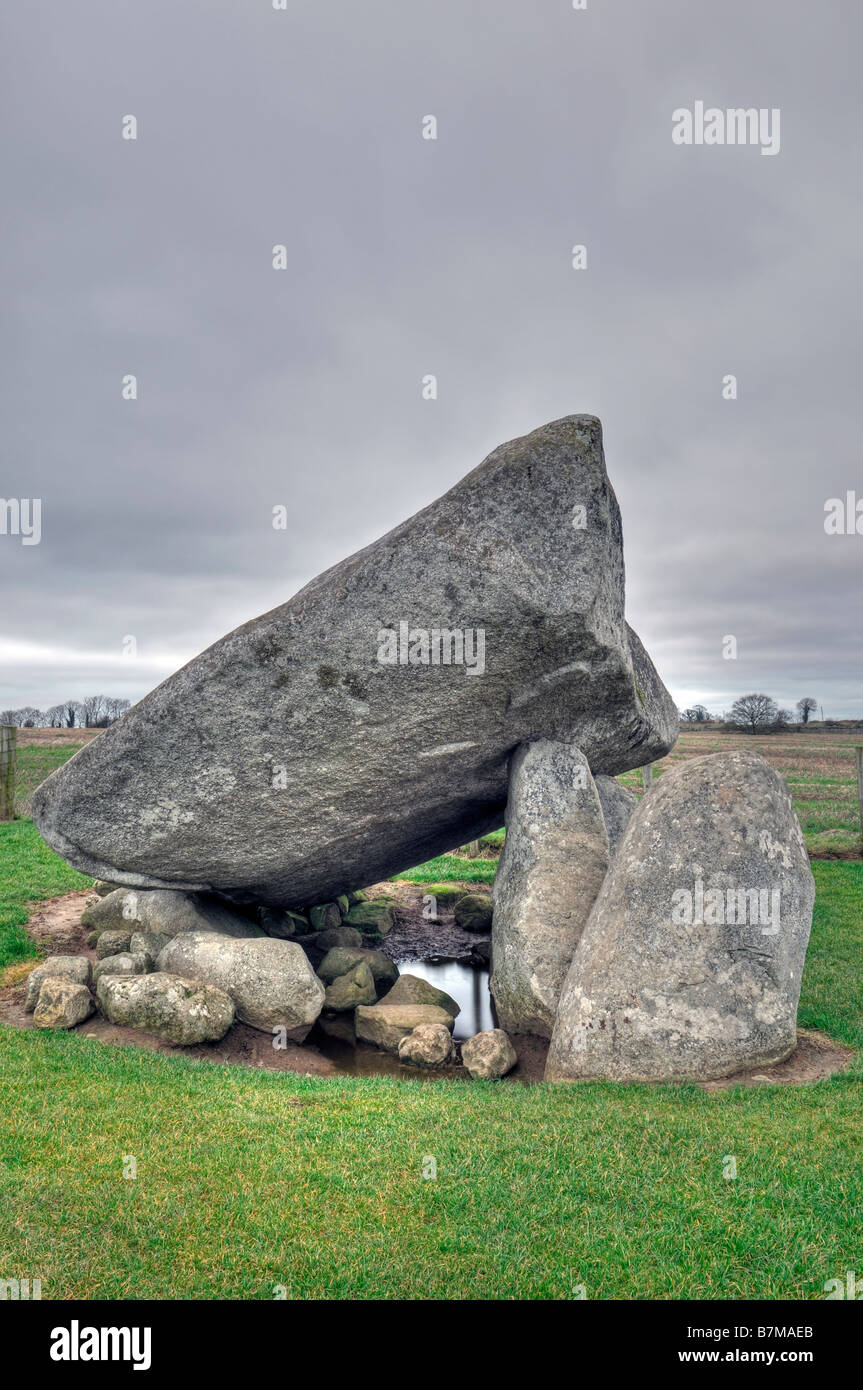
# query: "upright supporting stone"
[[554, 860], [689, 967], [8, 735]]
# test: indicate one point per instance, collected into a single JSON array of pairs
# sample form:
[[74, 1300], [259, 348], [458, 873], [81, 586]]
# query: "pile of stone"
[[183, 967]]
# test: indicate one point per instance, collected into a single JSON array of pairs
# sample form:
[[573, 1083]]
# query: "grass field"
[[248, 1180]]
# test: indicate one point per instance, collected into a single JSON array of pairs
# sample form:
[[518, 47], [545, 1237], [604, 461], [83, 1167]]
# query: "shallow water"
[[468, 987]]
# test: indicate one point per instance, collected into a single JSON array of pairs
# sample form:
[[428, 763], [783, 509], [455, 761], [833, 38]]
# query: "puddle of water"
[[468, 987]]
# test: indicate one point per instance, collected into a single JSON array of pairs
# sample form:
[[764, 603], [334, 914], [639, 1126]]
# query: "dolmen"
[[470, 669]]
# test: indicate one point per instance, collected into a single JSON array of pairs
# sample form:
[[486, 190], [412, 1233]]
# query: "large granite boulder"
[[689, 966], [366, 725], [185, 1012], [341, 959], [618, 804], [270, 981], [554, 859], [413, 989]]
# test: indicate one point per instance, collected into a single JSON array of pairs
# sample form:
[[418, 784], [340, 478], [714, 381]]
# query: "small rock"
[[103, 888], [343, 904], [412, 989], [372, 918], [76, 968], [325, 916], [341, 959], [488, 1055], [185, 1012], [281, 923], [429, 1045], [125, 963], [355, 987], [112, 942], [335, 936], [148, 944], [339, 1026], [62, 1003], [386, 1024], [473, 912]]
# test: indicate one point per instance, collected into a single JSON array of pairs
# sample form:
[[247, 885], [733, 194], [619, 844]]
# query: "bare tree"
[[806, 708], [754, 714], [71, 713], [696, 715], [54, 717], [115, 708]]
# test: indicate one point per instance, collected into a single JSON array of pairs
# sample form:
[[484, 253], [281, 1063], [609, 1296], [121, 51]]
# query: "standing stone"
[[270, 981], [391, 690], [689, 967], [554, 859], [618, 804]]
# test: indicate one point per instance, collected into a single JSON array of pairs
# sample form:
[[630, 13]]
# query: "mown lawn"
[[250, 1180], [29, 872]]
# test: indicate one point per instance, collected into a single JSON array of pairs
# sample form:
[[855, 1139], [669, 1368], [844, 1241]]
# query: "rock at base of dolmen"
[[385, 1025], [77, 968], [366, 725], [270, 981], [181, 1011], [689, 966], [554, 860], [62, 1003], [166, 911], [429, 1045], [489, 1055], [618, 804]]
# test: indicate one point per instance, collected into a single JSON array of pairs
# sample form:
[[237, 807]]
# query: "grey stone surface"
[[412, 989], [386, 1024], [341, 959], [77, 968], [62, 1003], [271, 982], [181, 1011], [126, 963], [385, 765], [148, 944], [112, 942], [429, 1045], [166, 911], [356, 986], [663, 986], [489, 1055], [553, 862], [371, 919], [473, 912], [618, 804]]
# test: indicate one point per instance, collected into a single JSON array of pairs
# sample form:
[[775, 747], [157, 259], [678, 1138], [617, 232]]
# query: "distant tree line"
[[754, 714], [93, 712]]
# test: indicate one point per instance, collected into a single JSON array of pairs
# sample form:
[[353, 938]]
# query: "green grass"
[[449, 868], [29, 872]]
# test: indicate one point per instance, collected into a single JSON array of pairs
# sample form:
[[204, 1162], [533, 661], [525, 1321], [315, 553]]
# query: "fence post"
[[8, 735], [858, 748]]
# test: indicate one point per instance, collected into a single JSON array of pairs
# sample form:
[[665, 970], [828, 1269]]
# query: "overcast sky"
[[408, 257]]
